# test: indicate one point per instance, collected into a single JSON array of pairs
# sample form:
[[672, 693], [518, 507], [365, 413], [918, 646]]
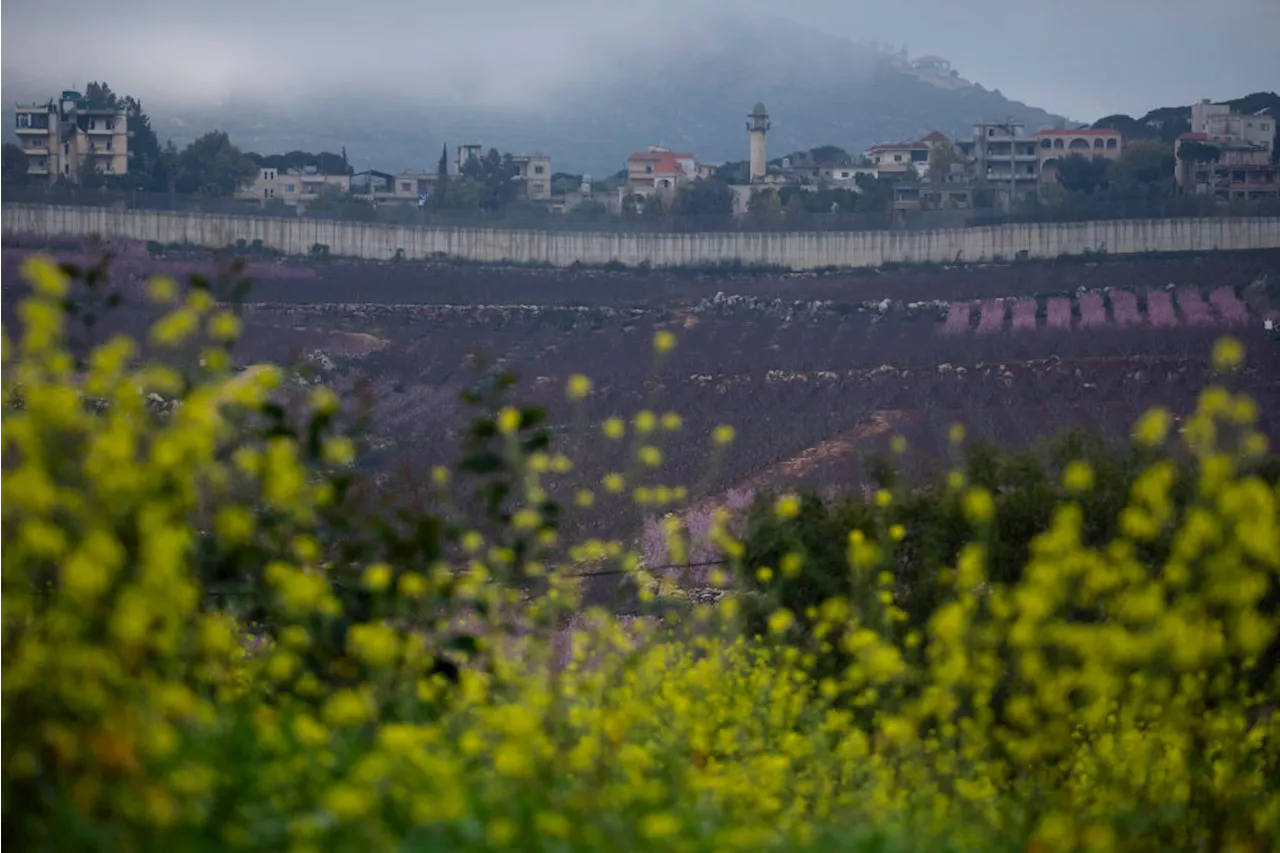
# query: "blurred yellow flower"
[[1228, 354], [579, 387], [1077, 476], [663, 342]]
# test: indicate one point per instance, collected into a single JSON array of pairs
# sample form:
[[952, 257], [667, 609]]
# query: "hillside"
[[1165, 123], [819, 88]]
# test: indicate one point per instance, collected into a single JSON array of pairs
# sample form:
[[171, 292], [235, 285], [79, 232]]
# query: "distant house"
[[372, 183], [659, 169], [1053, 145], [1242, 172], [932, 65], [413, 187], [292, 186], [935, 138], [892, 157]]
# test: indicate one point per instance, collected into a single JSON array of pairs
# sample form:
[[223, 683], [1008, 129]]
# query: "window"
[[288, 188], [1111, 143], [1044, 143], [537, 170], [93, 124], [111, 124], [24, 120], [108, 144], [1057, 143], [1265, 126], [405, 186], [897, 158]]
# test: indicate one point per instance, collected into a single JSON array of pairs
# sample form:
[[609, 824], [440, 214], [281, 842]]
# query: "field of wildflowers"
[[210, 644]]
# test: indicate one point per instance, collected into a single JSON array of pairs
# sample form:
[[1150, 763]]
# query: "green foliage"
[[98, 96], [1132, 128], [325, 162], [877, 193], [703, 198], [765, 205], [1194, 151], [1144, 169], [493, 175], [942, 157], [830, 155], [1026, 489], [735, 173], [13, 165], [1080, 174], [211, 165]]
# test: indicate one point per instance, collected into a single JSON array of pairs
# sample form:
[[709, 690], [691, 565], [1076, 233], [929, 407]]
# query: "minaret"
[[758, 126]]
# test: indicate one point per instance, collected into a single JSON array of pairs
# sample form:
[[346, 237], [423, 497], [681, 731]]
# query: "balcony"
[[101, 130], [31, 130], [36, 150]]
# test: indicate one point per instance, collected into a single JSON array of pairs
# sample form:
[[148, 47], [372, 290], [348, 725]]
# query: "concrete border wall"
[[797, 250]]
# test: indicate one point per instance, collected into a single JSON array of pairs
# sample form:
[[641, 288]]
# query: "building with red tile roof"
[[659, 169]]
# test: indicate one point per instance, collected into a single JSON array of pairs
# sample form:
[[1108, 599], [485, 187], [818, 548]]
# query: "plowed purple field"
[[811, 370]]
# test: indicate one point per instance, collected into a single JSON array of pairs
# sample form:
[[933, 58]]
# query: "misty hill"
[[819, 89], [1165, 123]]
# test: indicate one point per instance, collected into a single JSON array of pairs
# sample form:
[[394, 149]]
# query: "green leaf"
[[481, 462]]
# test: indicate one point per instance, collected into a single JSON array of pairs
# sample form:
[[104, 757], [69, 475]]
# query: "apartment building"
[[1005, 157], [1219, 120], [292, 186], [64, 139], [1052, 146], [1242, 172], [534, 174]]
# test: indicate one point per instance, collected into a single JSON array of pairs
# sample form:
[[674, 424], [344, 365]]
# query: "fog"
[[1083, 58]]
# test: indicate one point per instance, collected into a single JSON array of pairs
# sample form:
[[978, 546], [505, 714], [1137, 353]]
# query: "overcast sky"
[[1081, 58]]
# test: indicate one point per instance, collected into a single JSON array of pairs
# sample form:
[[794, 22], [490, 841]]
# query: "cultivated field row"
[[1117, 308]]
